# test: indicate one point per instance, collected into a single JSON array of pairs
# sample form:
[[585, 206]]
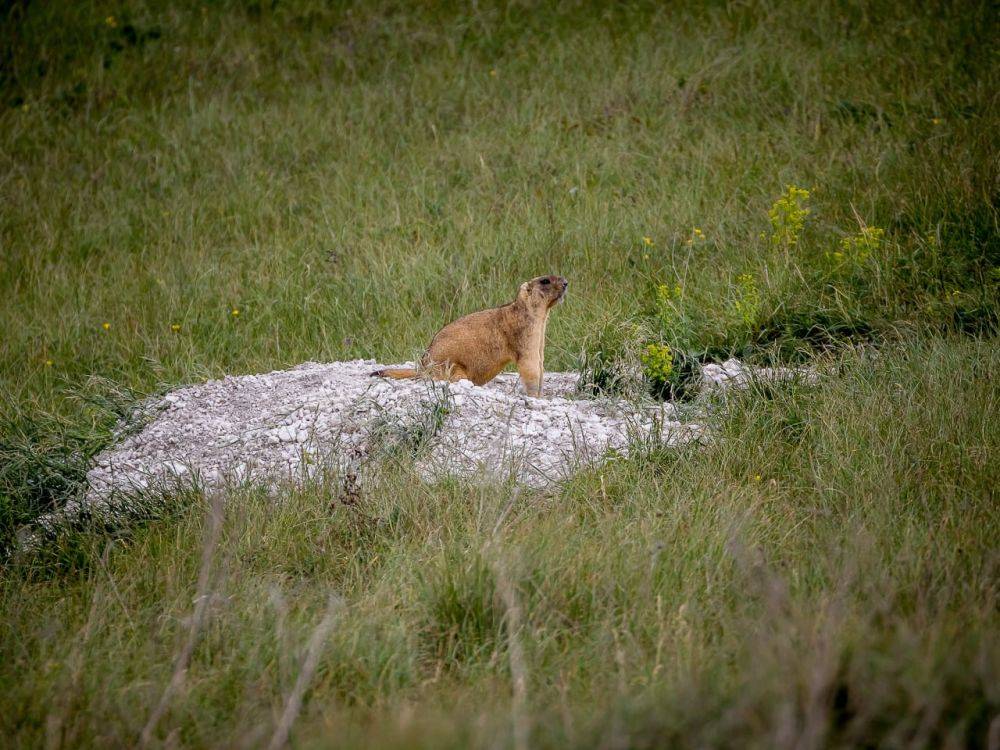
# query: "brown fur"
[[478, 346]]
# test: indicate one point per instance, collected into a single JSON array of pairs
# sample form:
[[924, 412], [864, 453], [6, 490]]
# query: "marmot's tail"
[[398, 373]]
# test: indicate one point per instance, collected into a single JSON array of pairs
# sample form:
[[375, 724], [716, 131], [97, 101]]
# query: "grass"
[[350, 177]]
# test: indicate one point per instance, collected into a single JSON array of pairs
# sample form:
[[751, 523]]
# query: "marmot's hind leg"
[[456, 373], [443, 370]]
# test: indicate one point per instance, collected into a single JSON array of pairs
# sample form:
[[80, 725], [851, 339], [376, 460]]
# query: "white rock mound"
[[288, 425], [291, 425]]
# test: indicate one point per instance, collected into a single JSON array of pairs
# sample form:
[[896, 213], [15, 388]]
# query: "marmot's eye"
[[545, 282]]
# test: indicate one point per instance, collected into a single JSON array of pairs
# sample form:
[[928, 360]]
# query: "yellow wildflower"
[[657, 362], [493, 72], [49, 363], [747, 302], [788, 216], [936, 120], [111, 21], [647, 241], [175, 327], [236, 312], [859, 246], [106, 326], [696, 236], [664, 293]]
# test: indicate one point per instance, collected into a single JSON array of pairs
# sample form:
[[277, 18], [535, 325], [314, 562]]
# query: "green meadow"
[[191, 190]]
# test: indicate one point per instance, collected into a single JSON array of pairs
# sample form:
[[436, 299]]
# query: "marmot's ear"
[[522, 291]]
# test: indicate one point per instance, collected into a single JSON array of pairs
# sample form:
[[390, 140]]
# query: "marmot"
[[478, 346]]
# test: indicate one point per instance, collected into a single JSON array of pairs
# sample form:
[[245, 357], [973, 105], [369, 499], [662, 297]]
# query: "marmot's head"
[[542, 292]]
